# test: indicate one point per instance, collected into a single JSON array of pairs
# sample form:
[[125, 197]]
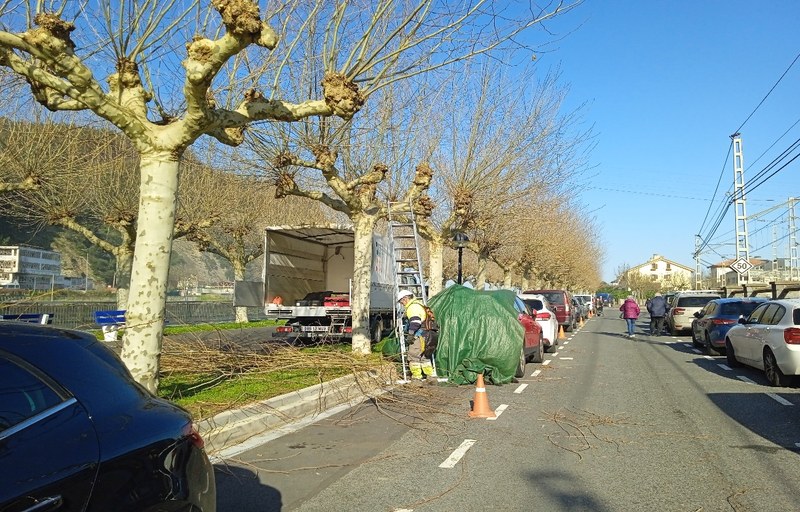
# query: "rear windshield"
[[694, 302], [534, 304], [554, 297], [738, 308]]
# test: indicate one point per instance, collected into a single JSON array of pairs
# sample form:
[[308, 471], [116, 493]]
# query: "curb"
[[232, 427]]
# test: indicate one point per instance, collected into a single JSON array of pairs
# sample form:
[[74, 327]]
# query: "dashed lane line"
[[725, 367], [521, 388], [546, 362], [458, 453], [537, 372], [745, 379], [497, 412], [566, 358], [779, 399]]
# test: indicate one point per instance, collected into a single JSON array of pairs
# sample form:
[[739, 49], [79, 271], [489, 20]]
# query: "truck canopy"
[[309, 259]]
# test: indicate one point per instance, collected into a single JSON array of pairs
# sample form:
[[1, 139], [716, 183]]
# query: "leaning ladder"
[[404, 243]]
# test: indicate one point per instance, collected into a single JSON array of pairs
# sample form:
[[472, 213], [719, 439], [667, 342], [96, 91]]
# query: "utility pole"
[[740, 211], [697, 279], [792, 239]]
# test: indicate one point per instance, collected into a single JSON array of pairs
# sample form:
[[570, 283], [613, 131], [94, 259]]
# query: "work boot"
[[416, 371]]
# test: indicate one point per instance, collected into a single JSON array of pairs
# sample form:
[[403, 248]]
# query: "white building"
[[666, 272], [31, 268]]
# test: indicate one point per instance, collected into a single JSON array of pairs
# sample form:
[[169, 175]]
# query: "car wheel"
[[730, 355], [774, 374], [521, 364], [538, 356], [552, 348], [709, 348], [673, 331], [695, 341]]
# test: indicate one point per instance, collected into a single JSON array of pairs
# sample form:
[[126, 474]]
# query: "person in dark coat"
[[657, 307]]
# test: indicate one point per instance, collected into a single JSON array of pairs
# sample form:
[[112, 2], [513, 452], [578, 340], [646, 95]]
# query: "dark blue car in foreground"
[[78, 433], [712, 323]]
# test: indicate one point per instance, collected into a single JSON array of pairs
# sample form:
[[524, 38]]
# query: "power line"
[[768, 93]]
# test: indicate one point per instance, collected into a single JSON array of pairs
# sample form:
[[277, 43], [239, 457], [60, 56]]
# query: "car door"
[[528, 323], [700, 324], [49, 451], [762, 331], [746, 343]]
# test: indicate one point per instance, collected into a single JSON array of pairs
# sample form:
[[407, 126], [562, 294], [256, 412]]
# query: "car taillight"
[[347, 330], [193, 434], [722, 321], [792, 336], [678, 311], [543, 316], [284, 328]]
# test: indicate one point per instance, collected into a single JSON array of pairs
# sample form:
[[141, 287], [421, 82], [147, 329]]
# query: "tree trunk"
[[507, 278], [239, 275], [480, 278], [435, 265], [141, 349], [122, 277], [363, 228]]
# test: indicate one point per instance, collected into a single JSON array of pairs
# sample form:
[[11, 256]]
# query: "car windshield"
[[694, 302], [738, 308]]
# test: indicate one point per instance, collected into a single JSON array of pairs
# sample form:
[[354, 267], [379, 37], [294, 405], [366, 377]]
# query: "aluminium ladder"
[[404, 244]]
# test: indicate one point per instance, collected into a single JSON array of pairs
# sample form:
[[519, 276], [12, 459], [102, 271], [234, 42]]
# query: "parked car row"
[[752, 331]]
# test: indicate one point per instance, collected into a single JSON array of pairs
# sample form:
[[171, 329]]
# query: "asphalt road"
[[605, 424]]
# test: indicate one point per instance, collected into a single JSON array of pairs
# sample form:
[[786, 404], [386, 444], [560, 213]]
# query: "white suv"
[[587, 299], [683, 307]]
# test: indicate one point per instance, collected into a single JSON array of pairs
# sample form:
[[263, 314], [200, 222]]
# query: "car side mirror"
[[742, 320], [698, 314]]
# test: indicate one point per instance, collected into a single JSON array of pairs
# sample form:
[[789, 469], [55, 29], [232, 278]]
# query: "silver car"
[[768, 339], [683, 307]]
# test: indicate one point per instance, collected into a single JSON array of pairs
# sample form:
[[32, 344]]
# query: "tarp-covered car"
[[483, 332]]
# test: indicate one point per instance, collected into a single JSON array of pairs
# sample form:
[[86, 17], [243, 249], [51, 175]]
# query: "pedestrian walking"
[[599, 306], [630, 312], [422, 332], [657, 307]]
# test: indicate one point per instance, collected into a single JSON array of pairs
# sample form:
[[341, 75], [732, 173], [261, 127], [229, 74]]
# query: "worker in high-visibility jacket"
[[420, 334]]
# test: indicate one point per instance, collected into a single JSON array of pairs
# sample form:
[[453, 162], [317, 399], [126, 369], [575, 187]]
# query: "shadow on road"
[[240, 489], [564, 489]]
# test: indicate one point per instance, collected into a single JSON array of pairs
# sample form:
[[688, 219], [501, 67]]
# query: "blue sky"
[[666, 83]]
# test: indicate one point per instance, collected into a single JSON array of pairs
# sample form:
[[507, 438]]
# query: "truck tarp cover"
[[478, 333]]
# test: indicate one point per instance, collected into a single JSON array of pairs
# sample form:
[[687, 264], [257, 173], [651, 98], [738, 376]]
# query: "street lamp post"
[[460, 240]]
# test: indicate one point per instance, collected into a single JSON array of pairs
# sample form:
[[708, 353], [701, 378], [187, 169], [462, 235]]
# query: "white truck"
[[308, 273]]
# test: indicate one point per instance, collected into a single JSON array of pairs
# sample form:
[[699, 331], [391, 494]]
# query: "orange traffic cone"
[[480, 404], [561, 334], [580, 322], [591, 314]]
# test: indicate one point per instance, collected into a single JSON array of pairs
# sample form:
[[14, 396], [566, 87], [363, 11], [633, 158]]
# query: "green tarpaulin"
[[478, 333]]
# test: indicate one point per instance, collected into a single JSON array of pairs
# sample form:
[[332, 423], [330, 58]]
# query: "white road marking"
[[696, 351], [498, 411], [566, 358], [708, 357], [521, 388], [459, 452], [555, 354], [745, 379], [546, 362], [797, 445], [566, 343], [537, 372], [725, 367], [779, 399], [688, 345]]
